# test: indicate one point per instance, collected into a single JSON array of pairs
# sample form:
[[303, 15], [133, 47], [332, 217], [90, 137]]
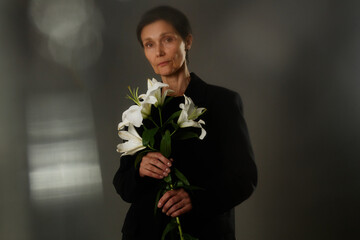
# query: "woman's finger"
[[181, 207], [175, 202], [148, 173], [160, 157], [152, 165], [186, 208], [149, 170], [164, 199], [153, 168], [158, 164]]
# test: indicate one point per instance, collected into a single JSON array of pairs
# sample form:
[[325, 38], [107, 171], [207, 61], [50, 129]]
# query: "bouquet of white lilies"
[[150, 106]]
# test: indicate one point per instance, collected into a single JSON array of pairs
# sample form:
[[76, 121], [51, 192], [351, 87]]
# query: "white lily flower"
[[131, 116], [153, 93], [189, 114], [146, 105], [136, 113], [133, 142]]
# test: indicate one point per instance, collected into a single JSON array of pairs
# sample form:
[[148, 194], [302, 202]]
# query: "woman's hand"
[[154, 165], [175, 202]]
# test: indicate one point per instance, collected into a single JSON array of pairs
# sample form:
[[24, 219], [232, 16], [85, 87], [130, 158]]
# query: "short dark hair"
[[169, 14]]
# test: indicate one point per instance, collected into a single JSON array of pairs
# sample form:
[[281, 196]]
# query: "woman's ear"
[[188, 42]]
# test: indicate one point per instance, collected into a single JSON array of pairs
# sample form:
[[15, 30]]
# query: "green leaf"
[[186, 135], [173, 116], [179, 184], [168, 179], [169, 227], [174, 125], [139, 157], [148, 136], [181, 177], [158, 195], [165, 144]]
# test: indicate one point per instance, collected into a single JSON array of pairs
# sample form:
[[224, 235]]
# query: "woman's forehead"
[[157, 29]]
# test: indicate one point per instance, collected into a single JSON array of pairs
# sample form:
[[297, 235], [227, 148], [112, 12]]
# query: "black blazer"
[[222, 164]]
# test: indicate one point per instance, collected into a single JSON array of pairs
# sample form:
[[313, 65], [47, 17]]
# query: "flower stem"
[[178, 219], [179, 227], [173, 132], [151, 148], [152, 120], [161, 123]]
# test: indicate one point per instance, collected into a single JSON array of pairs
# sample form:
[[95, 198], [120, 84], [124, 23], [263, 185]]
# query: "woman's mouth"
[[163, 63]]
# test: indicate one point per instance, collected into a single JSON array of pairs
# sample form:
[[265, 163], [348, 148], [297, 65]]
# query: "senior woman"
[[222, 164]]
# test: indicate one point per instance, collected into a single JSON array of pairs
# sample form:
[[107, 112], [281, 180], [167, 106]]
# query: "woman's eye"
[[168, 39], [148, 45]]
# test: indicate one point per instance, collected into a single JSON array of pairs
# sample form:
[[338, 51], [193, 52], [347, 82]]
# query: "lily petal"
[[153, 94], [189, 114], [129, 148], [133, 142], [203, 133], [132, 116]]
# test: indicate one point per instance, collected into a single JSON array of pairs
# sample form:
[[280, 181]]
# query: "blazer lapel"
[[197, 90]]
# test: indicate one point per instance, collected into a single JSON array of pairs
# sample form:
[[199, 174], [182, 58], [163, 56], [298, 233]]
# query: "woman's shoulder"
[[215, 92]]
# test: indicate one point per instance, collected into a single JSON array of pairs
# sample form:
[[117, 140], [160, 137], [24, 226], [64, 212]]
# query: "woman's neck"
[[178, 82]]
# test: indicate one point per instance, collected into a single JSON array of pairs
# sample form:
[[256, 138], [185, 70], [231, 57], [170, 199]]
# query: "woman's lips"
[[163, 63]]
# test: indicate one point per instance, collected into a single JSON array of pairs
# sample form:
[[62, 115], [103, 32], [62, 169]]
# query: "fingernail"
[[169, 164], [167, 170], [159, 204], [165, 174]]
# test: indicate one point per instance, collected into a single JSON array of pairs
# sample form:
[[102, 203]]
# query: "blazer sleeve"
[[230, 172], [128, 183]]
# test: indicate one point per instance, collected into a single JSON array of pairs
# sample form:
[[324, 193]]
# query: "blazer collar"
[[196, 90]]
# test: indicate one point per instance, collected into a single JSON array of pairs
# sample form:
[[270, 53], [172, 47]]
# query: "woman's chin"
[[166, 72], [171, 71]]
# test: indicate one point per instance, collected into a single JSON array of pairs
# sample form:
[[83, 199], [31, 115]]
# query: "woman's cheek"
[[154, 66]]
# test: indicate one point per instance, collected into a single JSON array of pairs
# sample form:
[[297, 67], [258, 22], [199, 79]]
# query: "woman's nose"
[[160, 50]]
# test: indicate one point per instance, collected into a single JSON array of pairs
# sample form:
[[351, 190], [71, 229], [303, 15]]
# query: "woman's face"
[[164, 48]]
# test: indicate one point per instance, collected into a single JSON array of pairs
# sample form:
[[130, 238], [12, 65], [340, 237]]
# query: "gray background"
[[64, 71]]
